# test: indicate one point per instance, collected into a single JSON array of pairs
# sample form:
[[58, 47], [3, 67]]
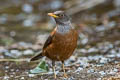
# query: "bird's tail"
[[36, 57]]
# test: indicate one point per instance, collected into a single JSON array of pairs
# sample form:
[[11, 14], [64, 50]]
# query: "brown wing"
[[40, 55], [48, 42]]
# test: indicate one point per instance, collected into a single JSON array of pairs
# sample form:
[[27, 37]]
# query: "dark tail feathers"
[[36, 57]]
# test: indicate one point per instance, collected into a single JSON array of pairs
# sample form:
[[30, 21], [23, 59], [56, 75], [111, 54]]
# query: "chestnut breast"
[[62, 45]]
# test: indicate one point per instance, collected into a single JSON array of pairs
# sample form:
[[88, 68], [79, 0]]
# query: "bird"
[[61, 42]]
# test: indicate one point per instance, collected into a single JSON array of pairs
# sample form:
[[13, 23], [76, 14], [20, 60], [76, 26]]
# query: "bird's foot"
[[65, 75], [55, 76]]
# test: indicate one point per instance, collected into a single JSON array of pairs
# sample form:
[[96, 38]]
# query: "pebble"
[[2, 49], [22, 78], [6, 71], [115, 70], [99, 65], [3, 19], [110, 55], [83, 51], [118, 55], [7, 67], [111, 72], [13, 53], [79, 69], [96, 58], [102, 73], [84, 41], [28, 52], [71, 78], [12, 33], [103, 60], [27, 8], [99, 78], [28, 23], [12, 70], [6, 77], [31, 75], [17, 70], [100, 28], [92, 50], [84, 38], [90, 71], [11, 75], [112, 51], [83, 61], [25, 45]]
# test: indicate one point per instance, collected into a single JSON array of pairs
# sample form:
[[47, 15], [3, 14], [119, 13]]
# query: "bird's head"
[[60, 17]]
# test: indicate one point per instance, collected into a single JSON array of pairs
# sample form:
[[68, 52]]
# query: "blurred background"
[[24, 26], [24, 20]]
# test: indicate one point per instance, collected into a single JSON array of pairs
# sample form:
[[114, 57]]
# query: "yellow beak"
[[53, 15]]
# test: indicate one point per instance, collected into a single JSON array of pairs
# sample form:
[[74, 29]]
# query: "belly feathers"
[[62, 47]]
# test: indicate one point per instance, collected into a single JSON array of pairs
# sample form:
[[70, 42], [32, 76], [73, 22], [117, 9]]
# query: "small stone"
[[103, 60], [83, 62], [12, 33], [115, 70], [31, 75], [111, 55], [22, 78], [27, 8], [12, 70], [99, 78], [13, 53], [6, 77], [6, 71], [7, 67], [28, 23], [72, 58], [28, 52], [102, 73], [11, 75], [111, 72], [3, 19], [79, 69], [83, 50], [113, 51], [92, 50], [17, 70], [91, 71], [118, 55]]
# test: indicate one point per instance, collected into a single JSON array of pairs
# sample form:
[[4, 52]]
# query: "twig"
[[14, 60]]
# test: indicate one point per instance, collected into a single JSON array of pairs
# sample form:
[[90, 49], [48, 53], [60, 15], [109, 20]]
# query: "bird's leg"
[[53, 66], [65, 75]]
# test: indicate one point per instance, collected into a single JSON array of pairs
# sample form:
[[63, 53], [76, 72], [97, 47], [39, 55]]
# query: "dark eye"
[[61, 15]]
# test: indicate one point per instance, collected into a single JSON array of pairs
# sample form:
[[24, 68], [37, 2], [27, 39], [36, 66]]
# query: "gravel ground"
[[96, 67]]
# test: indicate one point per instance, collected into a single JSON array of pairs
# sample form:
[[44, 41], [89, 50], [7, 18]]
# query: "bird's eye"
[[61, 15]]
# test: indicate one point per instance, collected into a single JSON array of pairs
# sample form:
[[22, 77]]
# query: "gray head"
[[60, 17], [62, 21]]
